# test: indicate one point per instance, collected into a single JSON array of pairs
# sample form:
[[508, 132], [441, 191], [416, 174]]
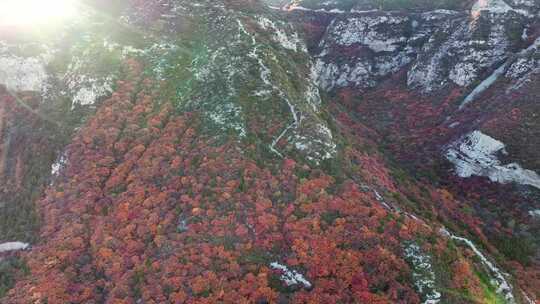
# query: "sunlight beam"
[[31, 13]]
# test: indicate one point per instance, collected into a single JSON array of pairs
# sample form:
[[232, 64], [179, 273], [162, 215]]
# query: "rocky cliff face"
[[452, 59], [263, 152], [441, 48]]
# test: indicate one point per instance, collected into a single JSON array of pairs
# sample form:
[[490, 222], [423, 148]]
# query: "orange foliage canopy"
[[149, 209]]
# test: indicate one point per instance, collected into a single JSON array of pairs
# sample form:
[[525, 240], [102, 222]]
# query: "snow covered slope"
[[477, 154]]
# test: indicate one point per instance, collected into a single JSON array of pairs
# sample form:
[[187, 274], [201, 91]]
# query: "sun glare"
[[20, 13]]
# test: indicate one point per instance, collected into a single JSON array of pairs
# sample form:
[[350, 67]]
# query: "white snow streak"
[[265, 77], [13, 246], [290, 277], [484, 85], [503, 287]]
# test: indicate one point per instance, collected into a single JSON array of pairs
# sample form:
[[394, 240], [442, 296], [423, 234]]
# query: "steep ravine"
[[428, 81]]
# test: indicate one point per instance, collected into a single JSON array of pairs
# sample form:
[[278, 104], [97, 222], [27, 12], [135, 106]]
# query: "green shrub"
[[516, 248], [9, 269]]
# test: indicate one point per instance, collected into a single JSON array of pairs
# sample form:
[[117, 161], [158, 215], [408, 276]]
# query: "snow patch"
[[496, 7], [454, 125], [524, 34], [363, 30], [13, 246], [227, 117], [22, 74], [290, 277], [182, 225], [290, 42], [84, 88], [331, 75], [313, 95], [476, 154], [524, 67], [519, 68], [319, 145], [93, 90], [463, 73], [423, 274], [296, 7], [535, 213], [492, 6], [58, 165]]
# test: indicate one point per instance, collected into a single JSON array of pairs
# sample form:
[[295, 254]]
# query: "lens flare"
[[21, 13]]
